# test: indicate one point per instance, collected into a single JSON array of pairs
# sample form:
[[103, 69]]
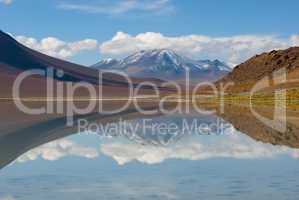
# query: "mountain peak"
[[154, 52], [162, 50], [165, 64]]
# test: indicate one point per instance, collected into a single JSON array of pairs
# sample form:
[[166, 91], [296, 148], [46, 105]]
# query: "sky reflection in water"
[[86, 166]]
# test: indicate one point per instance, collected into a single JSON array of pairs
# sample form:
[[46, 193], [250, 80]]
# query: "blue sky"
[[76, 20]]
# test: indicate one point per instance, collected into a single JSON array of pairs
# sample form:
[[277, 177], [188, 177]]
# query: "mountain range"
[[166, 64], [152, 65]]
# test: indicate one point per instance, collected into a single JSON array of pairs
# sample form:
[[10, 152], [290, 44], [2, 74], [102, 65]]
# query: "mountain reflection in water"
[[227, 156]]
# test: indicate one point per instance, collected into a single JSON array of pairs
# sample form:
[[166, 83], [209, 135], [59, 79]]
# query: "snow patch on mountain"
[[165, 64]]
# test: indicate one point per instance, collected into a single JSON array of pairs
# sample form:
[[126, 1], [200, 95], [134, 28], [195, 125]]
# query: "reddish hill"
[[246, 74]]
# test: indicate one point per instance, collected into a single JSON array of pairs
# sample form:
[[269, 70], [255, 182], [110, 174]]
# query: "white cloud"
[[55, 47], [58, 149], [7, 198], [295, 40], [121, 6], [230, 147], [233, 50], [6, 2]]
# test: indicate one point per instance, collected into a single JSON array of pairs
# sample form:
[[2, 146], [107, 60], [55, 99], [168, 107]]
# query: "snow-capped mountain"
[[166, 64]]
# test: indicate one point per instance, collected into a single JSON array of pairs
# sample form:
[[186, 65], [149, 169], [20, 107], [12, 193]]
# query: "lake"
[[230, 155]]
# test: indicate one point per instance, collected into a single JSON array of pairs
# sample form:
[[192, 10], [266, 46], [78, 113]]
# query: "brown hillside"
[[16, 58], [259, 66]]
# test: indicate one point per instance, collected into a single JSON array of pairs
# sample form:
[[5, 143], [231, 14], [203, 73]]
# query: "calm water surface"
[[42, 162]]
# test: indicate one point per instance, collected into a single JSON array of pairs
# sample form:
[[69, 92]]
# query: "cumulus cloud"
[[7, 198], [55, 47], [233, 50], [58, 149], [295, 40], [232, 147], [121, 6], [6, 2]]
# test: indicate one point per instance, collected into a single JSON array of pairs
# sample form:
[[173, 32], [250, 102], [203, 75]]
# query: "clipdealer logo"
[[185, 96]]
